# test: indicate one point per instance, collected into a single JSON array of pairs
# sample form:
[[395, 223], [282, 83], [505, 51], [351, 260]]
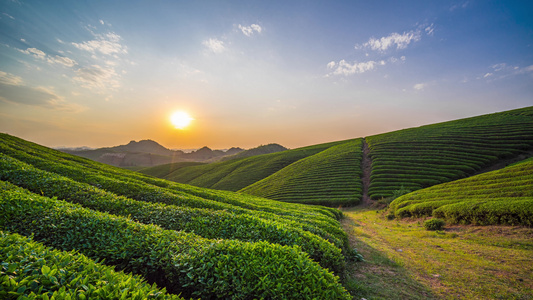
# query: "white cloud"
[[215, 45], [249, 30], [102, 22], [10, 79], [419, 86], [345, 68], [9, 16], [488, 75], [63, 60], [457, 6], [106, 44], [430, 29], [97, 78], [395, 39]]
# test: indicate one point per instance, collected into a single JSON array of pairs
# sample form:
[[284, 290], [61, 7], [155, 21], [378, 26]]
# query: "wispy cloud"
[[345, 68], [10, 79], [97, 78], [394, 39], [457, 6], [214, 45], [250, 30], [503, 70], [15, 91], [419, 86], [56, 59], [107, 44]]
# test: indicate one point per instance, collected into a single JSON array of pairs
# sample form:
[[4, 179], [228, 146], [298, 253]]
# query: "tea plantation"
[[420, 157], [190, 241], [499, 197], [330, 177]]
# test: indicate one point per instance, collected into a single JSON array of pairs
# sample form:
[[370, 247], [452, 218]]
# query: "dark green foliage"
[[29, 269], [206, 223], [425, 156], [434, 224], [330, 177], [182, 262]]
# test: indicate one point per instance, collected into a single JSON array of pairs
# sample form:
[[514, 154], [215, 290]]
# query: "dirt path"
[[366, 165]]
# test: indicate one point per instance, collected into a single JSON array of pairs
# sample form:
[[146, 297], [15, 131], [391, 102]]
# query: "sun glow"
[[181, 119]]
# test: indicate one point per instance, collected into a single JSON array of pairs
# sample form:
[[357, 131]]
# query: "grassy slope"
[[499, 197], [420, 157], [330, 177], [236, 174], [404, 261]]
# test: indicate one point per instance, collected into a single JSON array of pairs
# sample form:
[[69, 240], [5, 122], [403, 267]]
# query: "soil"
[[367, 169]]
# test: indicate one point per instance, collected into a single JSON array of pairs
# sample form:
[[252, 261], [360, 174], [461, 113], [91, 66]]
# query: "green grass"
[[425, 156], [499, 197], [330, 177], [405, 261]]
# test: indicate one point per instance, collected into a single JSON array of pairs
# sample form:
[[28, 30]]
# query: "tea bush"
[[31, 270], [434, 224]]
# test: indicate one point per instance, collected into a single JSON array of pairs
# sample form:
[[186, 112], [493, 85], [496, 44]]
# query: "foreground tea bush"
[[206, 223], [31, 270], [182, 262]]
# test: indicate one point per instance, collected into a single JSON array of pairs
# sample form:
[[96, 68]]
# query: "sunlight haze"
[[297, 73]]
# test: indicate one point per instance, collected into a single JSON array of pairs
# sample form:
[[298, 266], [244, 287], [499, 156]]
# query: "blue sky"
[[102, 73]]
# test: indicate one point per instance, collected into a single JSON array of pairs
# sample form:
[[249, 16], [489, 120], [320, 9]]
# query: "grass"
[[405, 261]]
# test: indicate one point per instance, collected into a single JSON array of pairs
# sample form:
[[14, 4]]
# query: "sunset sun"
[[180, 119]]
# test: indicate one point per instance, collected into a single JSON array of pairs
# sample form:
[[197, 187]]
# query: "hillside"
[[236, 174], [499, 197], [161, 230], [330, 177], [401, 161], [416, 158]]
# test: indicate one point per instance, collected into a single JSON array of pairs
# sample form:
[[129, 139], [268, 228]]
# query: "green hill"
[[499, 197], [198, 242], [420, 157], [236, 174], [330, 177]]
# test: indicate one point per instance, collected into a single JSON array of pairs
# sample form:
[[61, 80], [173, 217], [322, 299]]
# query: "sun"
[[180, 119]]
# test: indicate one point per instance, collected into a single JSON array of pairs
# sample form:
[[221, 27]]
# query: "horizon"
[[101, 74]]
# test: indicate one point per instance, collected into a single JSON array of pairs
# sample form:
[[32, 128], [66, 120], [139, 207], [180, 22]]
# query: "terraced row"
[[330, 177], [183, 263], [499, 197], [236, 174], [420, 157]]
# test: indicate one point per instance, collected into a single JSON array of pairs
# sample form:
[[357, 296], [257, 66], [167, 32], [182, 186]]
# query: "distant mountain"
[[263, 149], [147, 153]]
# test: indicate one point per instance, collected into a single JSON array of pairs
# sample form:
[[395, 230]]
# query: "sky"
[[103, 73]]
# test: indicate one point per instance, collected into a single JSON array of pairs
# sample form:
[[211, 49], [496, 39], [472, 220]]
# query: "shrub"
[[434, 224], [29, 269], [182, 262]]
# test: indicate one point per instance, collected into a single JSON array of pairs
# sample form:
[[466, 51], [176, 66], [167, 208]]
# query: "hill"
[[235, 174], [401, 161], [263, 149], [499, 197], [330, 177], [416, 158], [226, 244]]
